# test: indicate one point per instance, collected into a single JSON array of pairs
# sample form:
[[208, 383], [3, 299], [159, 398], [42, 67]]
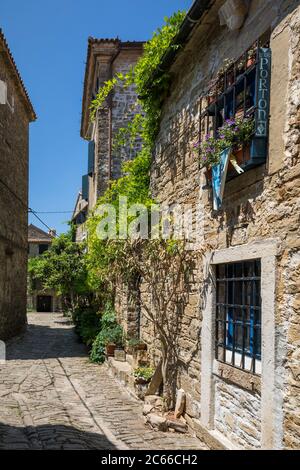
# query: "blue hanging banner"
[[219, 174]]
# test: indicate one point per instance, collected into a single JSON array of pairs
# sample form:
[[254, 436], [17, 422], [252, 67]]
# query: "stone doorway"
[[44, 303]]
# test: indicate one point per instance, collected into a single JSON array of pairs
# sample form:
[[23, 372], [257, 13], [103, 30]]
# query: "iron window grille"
[[234, 94], [238, 315]]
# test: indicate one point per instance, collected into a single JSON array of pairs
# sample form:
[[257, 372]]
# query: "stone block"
[[120, 355], [180, 403], [157, 422]]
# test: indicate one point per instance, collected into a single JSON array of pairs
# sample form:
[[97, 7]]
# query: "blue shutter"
[[259, 145], [85, 187], [91, 158]]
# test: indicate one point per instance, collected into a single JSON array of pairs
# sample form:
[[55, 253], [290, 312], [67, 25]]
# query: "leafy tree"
[[63, 268]]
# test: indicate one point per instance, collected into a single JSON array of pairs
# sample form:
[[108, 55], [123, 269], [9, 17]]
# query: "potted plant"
[[136, 344], [227, 68], [143, 375], [239, 113], [251, 57], [234, 134], [211, 97], [230, 77], [240, 66], [113, 339]]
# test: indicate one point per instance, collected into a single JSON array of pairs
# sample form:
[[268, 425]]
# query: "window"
[[241, 90], [91, 157], [238, 314], [85, 187], [43, 248]]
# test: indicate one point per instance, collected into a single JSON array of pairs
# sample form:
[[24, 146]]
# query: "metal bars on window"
[[238, 314], [233, 94]]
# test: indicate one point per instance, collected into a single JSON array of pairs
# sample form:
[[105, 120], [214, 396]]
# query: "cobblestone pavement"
[[52, 397]]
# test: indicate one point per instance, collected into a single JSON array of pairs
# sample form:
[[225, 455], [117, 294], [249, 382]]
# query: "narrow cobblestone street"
[[52, 397]]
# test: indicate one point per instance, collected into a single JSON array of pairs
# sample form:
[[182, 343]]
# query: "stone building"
[[39, 299], [242, 381], [79, 218], [106, 58], [16, 112]]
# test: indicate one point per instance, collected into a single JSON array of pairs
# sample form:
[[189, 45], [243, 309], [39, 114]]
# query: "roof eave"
[[192, 19], [88, 70], [25, 95]]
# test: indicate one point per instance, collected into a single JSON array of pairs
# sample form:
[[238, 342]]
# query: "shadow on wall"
[[54, 437], [43, 342]]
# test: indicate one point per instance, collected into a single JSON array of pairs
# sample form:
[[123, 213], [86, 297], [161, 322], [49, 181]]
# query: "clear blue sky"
[[48, 39]]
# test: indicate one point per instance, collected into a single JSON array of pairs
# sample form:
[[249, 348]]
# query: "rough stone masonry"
[[16, 113], [259, 218]]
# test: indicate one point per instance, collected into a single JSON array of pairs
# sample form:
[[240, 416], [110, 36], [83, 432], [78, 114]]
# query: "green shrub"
[[98, 350], [134, 342], [87, 324], [145, 373], [110, 332]]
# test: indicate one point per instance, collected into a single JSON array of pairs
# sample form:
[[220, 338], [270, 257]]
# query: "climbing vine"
[[161, 263], [135, 182], [150, 95]]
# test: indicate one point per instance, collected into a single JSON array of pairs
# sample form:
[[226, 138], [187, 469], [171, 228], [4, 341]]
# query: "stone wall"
[[118, 112], [124, 108], [13, 209], [128, 307], [261, 204], [237, 415]]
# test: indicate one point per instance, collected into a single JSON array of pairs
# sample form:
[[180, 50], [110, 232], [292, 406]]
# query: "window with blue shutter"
[[85, 187], [242, 90], [238, 314], [91, 158]]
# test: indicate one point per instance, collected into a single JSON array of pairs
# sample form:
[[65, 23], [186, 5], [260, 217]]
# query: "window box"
[[243, 90], [243, 158]]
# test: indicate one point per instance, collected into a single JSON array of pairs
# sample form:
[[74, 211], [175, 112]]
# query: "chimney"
[[52, 233]]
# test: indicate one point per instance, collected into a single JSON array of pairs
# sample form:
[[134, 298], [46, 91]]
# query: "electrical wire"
[[54, 212], [13, 193], [31, 211]]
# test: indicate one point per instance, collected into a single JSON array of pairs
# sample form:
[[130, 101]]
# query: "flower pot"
[[120, 355], [142, 381], [250, 62], [141, 347], [230, 79], [110, 349], [208, 175], [241, 156], [239, 113]]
